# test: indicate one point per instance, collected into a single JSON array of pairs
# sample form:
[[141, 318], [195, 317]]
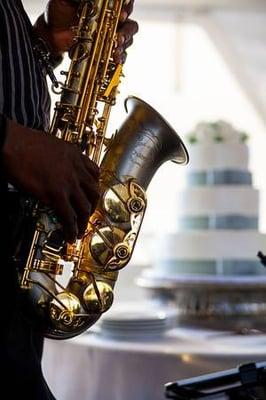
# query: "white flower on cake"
[[216, 132]]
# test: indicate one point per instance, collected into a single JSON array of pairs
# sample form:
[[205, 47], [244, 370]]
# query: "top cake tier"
[[217, 146]]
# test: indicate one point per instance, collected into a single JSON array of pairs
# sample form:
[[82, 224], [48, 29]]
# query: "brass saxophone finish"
[[143, 142]]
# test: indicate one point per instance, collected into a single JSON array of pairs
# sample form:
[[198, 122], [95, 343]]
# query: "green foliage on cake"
[[244, 137], [216, 132], [192, 138]]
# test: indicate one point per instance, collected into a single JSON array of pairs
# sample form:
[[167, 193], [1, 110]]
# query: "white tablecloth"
[[94, 367]]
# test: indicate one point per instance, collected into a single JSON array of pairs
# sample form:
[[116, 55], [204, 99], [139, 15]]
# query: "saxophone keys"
[[98, 297], [64, 311], [122, 251], [136, 204]]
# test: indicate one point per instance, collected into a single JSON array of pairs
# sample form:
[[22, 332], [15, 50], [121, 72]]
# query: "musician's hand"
[[127, 28], [56, 23], [54, 172], [55, 27]]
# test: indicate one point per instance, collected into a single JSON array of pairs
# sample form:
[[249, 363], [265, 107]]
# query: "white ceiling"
[[209, 3], [201, 4], [34, 5]]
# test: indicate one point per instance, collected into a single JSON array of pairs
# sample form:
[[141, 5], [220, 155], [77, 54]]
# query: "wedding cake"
[[210, 261], [217, 213]]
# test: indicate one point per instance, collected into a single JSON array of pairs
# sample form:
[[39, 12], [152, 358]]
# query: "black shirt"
[[24, 95], [24, 98]]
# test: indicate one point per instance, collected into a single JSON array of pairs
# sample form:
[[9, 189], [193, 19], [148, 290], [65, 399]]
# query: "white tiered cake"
[[211, 260], [217, 219]]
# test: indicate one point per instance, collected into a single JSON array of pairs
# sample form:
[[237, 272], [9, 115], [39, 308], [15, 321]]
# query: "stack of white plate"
[[127, 322]]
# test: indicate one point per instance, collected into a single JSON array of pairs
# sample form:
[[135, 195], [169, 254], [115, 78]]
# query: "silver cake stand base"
[[217, 302]]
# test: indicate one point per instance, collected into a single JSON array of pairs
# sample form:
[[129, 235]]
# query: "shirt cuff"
[[2, 131]]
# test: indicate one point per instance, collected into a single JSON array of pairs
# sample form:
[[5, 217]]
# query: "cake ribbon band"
[[215, 267], [223, 177], [217, 222]]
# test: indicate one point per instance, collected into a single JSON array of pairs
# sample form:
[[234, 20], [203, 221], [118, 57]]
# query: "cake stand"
[[218, 302]]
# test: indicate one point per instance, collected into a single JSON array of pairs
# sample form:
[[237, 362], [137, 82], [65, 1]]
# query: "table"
[[97, 367]]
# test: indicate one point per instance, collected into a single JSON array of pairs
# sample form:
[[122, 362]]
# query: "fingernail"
[[122, 40], [123, 16]]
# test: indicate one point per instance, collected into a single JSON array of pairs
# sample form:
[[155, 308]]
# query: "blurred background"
[[194, 61]]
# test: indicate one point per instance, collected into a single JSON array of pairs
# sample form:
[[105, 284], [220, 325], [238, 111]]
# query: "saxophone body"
[[68, 286]]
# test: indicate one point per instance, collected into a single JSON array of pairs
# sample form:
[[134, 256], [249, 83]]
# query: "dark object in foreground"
[[262, 258], [247, 382]]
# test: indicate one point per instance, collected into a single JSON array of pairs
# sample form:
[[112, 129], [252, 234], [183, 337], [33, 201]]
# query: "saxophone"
[[68, 286]]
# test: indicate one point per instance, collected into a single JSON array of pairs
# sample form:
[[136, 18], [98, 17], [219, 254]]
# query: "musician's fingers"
[[126, 11]]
